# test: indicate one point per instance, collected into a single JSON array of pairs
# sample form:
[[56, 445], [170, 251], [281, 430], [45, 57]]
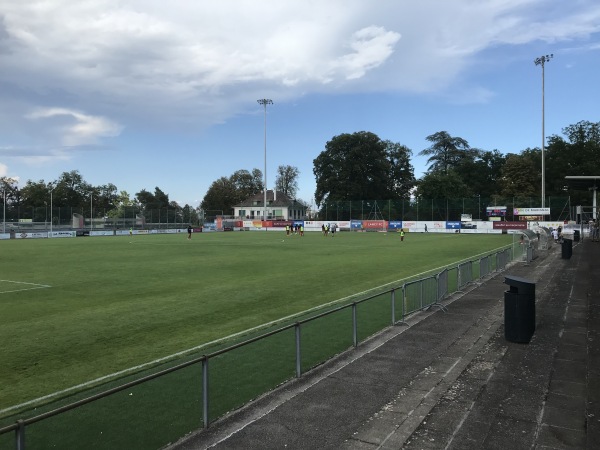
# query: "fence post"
[[403, 301], [20, 435], [354, 325], [205, 391], [393, 306], [298, 351]]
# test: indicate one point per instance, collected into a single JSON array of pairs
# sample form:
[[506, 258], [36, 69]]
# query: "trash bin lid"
[[521, 285]]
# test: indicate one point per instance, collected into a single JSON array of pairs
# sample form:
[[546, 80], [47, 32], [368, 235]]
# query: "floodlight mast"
[[541, 61], [265, 102]]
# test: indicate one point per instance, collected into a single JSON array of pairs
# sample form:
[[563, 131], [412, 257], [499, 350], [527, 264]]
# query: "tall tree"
[[439, 185], [35, 194], [224, 193], [446, 152], [124, 204], [402, 173], [287, 180], [247, 184], [353, 167], [519, 176], [150, 201], [221, 196], [72, 190], [578, 154], [483, 173], [9, 189], [105, 198]]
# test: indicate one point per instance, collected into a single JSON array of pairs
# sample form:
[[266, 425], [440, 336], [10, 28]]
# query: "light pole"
[[4, 210], [265, 102], [91, 210], [51, 217], [541, 61]]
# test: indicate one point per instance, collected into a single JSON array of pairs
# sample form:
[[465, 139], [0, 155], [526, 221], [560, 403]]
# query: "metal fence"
[[19, 218], [436, 209], [50, 215], [159, 408]]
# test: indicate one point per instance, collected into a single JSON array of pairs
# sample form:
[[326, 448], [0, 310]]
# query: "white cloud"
[[87, 67], [3, 170], [371, 47], [80, 128]]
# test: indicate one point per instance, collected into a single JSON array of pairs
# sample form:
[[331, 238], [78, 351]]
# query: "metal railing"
[[209, 386]]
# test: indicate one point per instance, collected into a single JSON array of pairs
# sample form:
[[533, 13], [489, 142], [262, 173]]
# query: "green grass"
[[117, 302]]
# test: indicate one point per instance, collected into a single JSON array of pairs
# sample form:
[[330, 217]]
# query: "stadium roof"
[[583, 182]]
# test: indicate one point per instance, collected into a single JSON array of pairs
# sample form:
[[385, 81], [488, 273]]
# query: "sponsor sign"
[[453, 225], [4, 235], [312, 224], [531, 218], [102, 233], [282, 223], [31, 235], [62, 234], [395, 224], [356, 224], [531, 211], [373, 224], [510, 225], [466, 218]]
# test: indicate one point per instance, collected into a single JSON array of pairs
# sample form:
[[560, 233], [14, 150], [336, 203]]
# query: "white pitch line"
[[24, 282], [36, 286]]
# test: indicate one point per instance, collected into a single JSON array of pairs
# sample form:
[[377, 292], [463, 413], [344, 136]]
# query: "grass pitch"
[[73, 310]]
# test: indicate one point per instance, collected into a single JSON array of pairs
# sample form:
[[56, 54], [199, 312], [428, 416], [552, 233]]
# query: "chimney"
[[274, 195]]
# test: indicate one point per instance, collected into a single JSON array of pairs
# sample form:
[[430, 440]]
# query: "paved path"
[[450, 380]]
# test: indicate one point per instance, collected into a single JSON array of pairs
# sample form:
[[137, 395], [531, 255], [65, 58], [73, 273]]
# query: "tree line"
[[359, 166], [71, 190]]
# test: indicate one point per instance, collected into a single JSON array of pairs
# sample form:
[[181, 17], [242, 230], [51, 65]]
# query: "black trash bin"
[[576, 235], [519, 309], [567, 249]]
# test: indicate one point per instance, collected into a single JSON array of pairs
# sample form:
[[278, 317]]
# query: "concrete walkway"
[[450, 380]]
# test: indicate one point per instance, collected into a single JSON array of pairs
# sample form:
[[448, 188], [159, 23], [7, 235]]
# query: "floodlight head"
[[543, 59]]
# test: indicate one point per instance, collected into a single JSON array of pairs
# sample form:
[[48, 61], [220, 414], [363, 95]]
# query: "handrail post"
[[298, 351], [393, 306], [354, 325], [403, 301], [205, 391], [20, 435]]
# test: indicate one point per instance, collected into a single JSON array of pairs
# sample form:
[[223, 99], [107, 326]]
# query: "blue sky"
[[145, 93]]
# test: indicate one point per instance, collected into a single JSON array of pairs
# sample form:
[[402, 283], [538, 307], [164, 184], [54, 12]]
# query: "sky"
[[150, 93]]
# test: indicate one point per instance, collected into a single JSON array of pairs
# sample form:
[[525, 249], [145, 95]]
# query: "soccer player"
[[189, 231]]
